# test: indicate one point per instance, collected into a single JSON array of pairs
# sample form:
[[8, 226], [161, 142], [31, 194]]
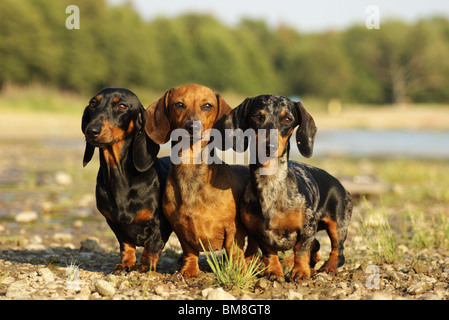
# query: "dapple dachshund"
[[285, 202]]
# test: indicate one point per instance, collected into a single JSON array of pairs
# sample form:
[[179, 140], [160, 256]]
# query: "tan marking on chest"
[[287, 221], [143, 215]]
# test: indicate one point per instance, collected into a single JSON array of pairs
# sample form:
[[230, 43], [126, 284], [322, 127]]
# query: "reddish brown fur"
[[143, 215], [148, 260], [287, 221], [199, 199], [128, 256], [331, 264], [111, 133], [274, 267]]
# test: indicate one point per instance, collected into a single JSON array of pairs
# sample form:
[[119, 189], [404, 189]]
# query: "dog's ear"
[[158, 125], [85, 119], [145, 150], [223, 108], [88, 153], [90, 149], [236, 119], [306, 132]]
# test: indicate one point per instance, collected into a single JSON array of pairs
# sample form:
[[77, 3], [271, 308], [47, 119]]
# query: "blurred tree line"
[[116, 47]]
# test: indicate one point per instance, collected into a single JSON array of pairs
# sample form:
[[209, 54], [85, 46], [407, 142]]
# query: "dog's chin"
[[101, 144]]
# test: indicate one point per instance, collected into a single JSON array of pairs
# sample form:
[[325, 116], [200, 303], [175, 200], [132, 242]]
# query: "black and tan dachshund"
[[286, 202], [130, 178]]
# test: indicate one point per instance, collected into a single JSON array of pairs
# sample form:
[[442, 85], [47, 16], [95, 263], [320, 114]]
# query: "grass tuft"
[[378, 236], [232, 271]]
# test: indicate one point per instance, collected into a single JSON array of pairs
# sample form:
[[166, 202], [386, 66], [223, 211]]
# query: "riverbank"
[[397, 246]]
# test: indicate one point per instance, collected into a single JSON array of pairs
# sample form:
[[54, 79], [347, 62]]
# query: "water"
[[382, 143]]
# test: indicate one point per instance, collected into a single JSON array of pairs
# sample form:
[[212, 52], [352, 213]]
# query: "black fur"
[[131, 177]]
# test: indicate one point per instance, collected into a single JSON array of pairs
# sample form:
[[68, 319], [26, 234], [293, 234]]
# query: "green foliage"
[[232, 272], [115, 46], [378, 236]]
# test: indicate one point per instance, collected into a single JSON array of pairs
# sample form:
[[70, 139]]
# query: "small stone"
[[89, 245], [26, 216], [62, 237], [17, 290], [380, 296], [262, 284], [87, 200], [124, 285], [46, 274], [34, 246], [421, 267], [293, 295], [63, 178], [85, 291], [418, 288], [112, 278], [104, 288], [36, 239], [217, 294], [246, 296], [159, 289], [80, 296], [78, 224]]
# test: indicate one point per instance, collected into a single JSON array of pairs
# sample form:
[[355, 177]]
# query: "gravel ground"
[[61, 270], [55, 245]]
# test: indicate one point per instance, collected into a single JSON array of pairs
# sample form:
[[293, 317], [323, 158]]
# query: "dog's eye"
[[93, 104], [287, 120], [257, 117], [180, 106], [207, 107], [122, 106]]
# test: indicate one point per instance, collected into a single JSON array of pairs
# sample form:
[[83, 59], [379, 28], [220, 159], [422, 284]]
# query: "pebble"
[[63, 178], [26, 216], [90, 245], [35, 246], [379, 296], [62, 237], [78, 224], [418, 288], [246, 296], [104, 288], [17, 290], [159, 289], [217, 294], [293, 295], [262, 284], [46, 274]]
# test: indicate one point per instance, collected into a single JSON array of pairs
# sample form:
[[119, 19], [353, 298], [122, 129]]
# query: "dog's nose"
[[190, 127], [93, 131]]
